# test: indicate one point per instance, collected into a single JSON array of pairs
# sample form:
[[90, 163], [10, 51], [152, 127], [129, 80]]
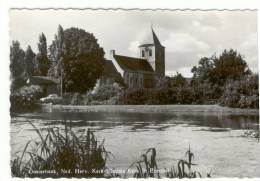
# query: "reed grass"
[[147, 168], [63, 152]]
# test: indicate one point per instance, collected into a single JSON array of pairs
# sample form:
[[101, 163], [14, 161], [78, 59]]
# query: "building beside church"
[[143, 71]]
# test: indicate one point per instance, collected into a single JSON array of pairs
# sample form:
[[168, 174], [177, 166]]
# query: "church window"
[[143, 53], [150, 53]]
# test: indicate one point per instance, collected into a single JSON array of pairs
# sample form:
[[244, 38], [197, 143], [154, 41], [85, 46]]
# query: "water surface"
[[215, 138]]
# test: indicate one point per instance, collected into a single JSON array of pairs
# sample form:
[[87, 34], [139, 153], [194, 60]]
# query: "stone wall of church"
[[160, 60], [136, 80]]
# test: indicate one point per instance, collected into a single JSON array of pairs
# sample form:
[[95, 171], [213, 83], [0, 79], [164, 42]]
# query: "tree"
[[29, 64], [81, 56], [42, 61], [56, 50], [229, 66], [16, 66], [217, 70], [203, 70], [178, 80]]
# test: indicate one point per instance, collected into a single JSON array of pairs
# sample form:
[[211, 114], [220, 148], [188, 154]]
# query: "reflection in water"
[[215, 138], [143, 121]]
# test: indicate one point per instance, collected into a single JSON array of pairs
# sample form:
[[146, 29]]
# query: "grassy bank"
[[148, 108]]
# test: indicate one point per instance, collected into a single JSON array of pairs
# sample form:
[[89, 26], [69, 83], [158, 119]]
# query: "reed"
[[147, 168], [63, 152]]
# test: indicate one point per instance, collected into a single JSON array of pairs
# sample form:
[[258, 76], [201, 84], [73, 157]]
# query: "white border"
[[4, 45]]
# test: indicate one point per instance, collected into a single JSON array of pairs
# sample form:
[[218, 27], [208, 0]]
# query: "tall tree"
[[217, 70], [56, 50], [16, 66], [81, 56], [29, 62], [42, 61], [229, 65]]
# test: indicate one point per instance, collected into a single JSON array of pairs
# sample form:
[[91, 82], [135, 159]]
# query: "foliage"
[[26, 98], [56, 50], [29, 62], [217, 70], [42, 61], [229, 65], [61, 150], [76, 54], [16, 66], [104, 92], [203, 70], [77, 99], [178, 81], [242, 93]]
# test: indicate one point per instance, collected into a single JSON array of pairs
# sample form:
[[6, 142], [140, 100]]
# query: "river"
[[216, 138]]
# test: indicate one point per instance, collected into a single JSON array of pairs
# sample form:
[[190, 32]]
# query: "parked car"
[[52, 98]]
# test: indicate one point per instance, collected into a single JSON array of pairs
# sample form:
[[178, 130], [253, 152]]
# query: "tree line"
[[225, 79], [75, 57], [74, 54]]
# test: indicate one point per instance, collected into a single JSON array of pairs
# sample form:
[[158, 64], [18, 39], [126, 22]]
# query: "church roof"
[[133, 64], [155, 39], [110, 71]]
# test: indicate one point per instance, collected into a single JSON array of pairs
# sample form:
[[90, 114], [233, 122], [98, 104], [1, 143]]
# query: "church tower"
[[154, 53]]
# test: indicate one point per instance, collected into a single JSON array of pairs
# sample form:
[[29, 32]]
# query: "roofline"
[[139, 59], [140, 71]]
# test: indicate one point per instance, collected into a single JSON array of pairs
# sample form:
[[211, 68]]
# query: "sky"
[[187, 35]]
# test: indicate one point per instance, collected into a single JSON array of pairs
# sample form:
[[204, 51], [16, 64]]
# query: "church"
[[143, 71]]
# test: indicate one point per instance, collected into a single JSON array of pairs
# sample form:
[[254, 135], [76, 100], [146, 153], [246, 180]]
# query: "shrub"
[[76, 99], [26, 98], [104, 92], [242, 93]]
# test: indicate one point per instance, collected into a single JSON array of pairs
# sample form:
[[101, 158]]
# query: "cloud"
[[187, 35], [183, 42]]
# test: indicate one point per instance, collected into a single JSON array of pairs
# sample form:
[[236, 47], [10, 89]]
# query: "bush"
[[26, 98], [76, 99], [241, 93], [104, 92], [174, 95]]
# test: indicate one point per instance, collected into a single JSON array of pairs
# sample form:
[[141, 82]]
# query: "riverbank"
[[146, 108]]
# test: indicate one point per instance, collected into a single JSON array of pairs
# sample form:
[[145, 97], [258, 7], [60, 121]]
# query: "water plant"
[[62, 153], [147, 168]]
